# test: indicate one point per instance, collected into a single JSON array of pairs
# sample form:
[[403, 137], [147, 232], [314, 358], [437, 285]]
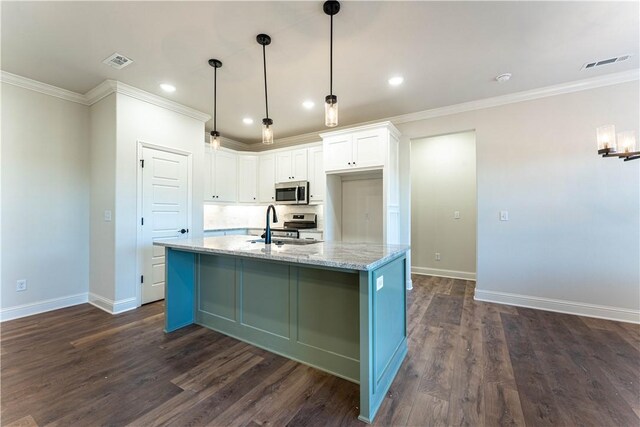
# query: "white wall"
[[572, 242], [45, 201], [103, 197], [140, 121], [443, 180]]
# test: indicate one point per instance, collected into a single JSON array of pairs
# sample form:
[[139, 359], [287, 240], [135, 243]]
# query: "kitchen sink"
[[280, 242]]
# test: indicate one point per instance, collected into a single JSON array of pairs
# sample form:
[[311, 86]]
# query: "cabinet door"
[[368, 148], [316, 175], [299, 165], [337, 152], [208, 176], [267, 178], [283, 167], [226, 176], [247, 179]]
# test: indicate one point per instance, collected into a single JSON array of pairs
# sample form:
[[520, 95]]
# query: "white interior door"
[[165, 198]]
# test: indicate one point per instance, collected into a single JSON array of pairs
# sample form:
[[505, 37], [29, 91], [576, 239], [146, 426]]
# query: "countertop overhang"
[[351, 256]]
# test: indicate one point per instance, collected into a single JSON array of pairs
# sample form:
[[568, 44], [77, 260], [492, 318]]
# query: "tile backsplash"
[[252, 216]]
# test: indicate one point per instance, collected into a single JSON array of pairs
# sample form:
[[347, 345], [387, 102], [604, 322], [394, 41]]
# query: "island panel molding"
[[306, 303]]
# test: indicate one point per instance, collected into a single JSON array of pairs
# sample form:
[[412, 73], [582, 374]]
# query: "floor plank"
[[469, 363]]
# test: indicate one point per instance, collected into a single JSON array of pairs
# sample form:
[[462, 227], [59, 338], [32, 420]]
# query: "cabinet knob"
[[311, 195], [354, 163], [349, 163], [254, 198]]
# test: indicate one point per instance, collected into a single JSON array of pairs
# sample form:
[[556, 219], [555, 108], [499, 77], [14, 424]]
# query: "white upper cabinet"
[[247, 178], [317, 182], [358, 149], [221, 176], [291, 165], [266, 178]]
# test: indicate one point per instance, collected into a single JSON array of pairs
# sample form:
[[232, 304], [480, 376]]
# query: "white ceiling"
[[448, 52]]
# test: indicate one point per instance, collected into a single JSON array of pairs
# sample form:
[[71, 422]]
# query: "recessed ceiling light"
[[396, 80], [247, 121], [167, 87], [308, 104], [503, 77]]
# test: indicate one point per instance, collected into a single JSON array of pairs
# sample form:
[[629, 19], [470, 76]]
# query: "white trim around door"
[[140, 209]]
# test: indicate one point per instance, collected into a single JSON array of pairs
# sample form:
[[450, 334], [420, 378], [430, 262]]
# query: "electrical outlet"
[[456, 214], [21, 285], [437, 256], [379, 283], [504, 215], [107, 215]]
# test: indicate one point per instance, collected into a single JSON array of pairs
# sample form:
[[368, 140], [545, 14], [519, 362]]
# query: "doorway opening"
[[443, 205]]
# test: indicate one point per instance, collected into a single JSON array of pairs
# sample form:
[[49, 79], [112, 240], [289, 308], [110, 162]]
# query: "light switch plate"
[[21, 285], [456, 215], [504, 215], [379, 283], [107, 215]]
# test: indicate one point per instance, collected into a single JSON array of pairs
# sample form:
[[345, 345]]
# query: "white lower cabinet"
[[312, 235]]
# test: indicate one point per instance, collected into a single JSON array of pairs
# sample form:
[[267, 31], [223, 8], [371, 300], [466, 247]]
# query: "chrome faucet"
[[267, 234]]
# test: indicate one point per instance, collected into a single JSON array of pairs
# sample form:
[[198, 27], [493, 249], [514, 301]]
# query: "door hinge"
[[142, 163], [141, 279], [141, 221]]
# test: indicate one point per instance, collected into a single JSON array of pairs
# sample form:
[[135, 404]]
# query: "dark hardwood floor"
[[469, 363]]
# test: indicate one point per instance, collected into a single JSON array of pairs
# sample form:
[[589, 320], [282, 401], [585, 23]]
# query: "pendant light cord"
[[331, 59], [215, 79], [266, 98]]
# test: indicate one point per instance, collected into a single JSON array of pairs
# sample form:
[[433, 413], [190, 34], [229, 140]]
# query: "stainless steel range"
[[295, 222]]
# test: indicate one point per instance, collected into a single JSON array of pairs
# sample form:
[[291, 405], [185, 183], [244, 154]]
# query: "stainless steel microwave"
[[292, 193]]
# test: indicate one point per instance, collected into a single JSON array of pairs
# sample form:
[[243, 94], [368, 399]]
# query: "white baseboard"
[[111, 306], [409, 284], [19, 311], [452, 274], [560, 306]]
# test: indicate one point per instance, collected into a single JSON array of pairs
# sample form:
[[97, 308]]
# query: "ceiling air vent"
[[594, 64], [117, 61]]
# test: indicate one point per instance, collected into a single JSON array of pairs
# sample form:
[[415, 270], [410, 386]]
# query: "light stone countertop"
[[352, 256]]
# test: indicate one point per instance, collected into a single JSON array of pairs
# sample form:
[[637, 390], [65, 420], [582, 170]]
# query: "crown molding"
[[368, 126], [101, 91], [159, 101], [529, 95], [44, 88], [104, 89]]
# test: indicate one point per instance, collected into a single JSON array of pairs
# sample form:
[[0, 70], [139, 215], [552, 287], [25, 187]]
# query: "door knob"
[[184, 231]]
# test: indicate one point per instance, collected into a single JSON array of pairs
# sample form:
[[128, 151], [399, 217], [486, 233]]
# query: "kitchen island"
[[340, 307]]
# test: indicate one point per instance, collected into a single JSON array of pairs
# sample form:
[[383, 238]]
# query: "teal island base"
[[350, 323]]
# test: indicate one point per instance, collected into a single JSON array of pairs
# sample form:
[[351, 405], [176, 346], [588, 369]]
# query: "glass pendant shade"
[[214, 140], [606, 138], [331, 111], [267, 131], [627, 142]]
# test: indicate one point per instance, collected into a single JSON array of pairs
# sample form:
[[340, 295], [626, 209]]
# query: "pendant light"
[[214, 137], [331, 8], [267, 123]]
